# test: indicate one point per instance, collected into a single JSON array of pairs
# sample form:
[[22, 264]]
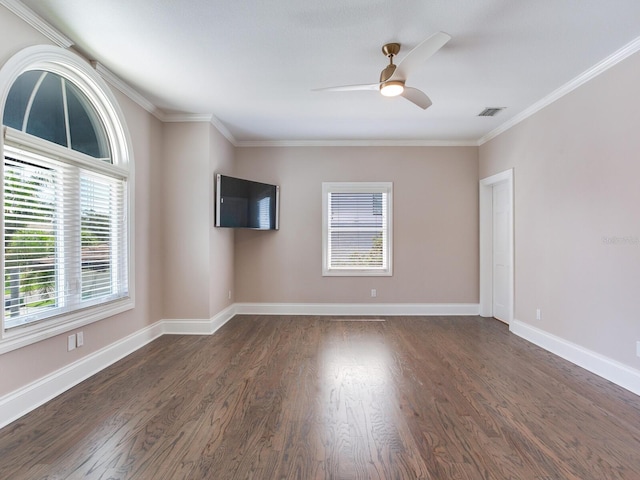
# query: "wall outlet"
[[71, 342], [538, 315], [638, 349], [374, 293], [79, 339], [229, 294]]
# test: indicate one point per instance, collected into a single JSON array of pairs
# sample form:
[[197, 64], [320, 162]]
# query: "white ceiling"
[[253, 64]]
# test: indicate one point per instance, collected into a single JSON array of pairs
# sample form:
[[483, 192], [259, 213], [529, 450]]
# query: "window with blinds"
[[65, 238], [66, 209], [357, 228]]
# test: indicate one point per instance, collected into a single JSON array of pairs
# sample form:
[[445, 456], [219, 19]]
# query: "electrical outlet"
[[229, 294], [374, 293], [79, 339], [638, 349], [538, 315], [71, 342]]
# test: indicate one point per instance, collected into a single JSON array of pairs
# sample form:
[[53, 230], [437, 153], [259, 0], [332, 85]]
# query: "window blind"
[[357, 228], [65, 238]]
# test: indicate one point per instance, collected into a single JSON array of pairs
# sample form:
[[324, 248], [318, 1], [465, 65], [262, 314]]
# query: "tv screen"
[[246, 204]]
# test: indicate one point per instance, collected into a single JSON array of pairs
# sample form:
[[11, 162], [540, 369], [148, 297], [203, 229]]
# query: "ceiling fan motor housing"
[[390, 50]]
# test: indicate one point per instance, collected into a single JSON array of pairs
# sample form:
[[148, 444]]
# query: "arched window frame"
[[79, 72]]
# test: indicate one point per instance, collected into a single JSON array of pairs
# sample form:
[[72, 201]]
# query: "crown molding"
[[186, 117], [164, 117], [357, 143], [33, 19], [201, 117], [224, 131], [126, 89], [567, 88]]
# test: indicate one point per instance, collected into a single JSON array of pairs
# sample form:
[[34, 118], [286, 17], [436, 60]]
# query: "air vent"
[[490, 111]]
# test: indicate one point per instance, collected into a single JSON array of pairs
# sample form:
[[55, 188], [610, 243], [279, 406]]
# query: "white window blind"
[[357, 228], [65, 238]]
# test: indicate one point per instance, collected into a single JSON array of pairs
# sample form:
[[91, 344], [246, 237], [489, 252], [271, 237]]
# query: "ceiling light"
[[392, 89]]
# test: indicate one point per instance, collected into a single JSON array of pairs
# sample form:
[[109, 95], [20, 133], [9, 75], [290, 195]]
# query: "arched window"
[[51, 107], [66, 189]]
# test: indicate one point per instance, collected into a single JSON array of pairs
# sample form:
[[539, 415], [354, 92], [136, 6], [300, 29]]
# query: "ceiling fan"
[[393, 77]]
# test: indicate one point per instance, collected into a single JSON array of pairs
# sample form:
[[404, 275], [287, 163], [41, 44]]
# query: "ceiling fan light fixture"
[[392, 88]]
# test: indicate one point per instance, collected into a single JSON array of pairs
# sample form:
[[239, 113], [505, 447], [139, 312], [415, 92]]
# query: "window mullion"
[[27, 114], [119, 243], [70, 263], [65, 109]]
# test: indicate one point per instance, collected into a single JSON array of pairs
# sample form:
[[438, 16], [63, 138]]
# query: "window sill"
[[19, 337], [357, 273]]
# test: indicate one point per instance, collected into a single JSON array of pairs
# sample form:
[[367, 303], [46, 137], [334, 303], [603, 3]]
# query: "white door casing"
[[497, 247]]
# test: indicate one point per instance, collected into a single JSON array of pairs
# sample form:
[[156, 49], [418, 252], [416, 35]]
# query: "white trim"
[[224, 131], [354, 188], [198, 327], [33, 19], [25, 399], [356, 143], [79, 318], [116, 82], [186, 117], [200, 117], [164, 117], [567, 88], [486, 241], [31, 396], [389, 309], [605, 367]]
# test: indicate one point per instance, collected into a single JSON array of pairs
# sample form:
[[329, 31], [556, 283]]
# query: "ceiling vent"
[[490, 111]]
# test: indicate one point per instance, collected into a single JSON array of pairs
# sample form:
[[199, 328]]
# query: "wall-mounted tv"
[[246, 204]]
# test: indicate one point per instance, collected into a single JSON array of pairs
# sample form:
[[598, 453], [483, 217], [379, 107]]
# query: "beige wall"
[[16, 35], [185, 211], [577, 221], [197, 258], [435, 216], [221, 241]]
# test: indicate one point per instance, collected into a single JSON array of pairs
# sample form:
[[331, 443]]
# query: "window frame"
[[77, 71], [357, 187]]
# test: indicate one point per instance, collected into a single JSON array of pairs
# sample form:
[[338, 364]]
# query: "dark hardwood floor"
[[322, 398]]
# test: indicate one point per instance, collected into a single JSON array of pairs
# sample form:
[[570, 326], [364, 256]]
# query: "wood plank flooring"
[[313, 398]]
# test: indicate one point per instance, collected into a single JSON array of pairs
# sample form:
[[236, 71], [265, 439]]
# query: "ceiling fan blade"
[[419, 55], [349, 88], [417, 97]]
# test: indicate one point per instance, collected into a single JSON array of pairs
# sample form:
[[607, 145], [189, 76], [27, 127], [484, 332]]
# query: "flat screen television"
[[246, 204]]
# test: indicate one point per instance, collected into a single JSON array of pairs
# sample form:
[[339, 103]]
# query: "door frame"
[[486, 242]]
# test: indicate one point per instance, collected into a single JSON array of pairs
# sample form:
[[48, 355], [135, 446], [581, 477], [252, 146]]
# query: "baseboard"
[[391, 309], [612, 370], [22, 401], [25, 399], [198, 327]]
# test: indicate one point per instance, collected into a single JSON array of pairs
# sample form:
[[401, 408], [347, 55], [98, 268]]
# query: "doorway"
[[496, 247]]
